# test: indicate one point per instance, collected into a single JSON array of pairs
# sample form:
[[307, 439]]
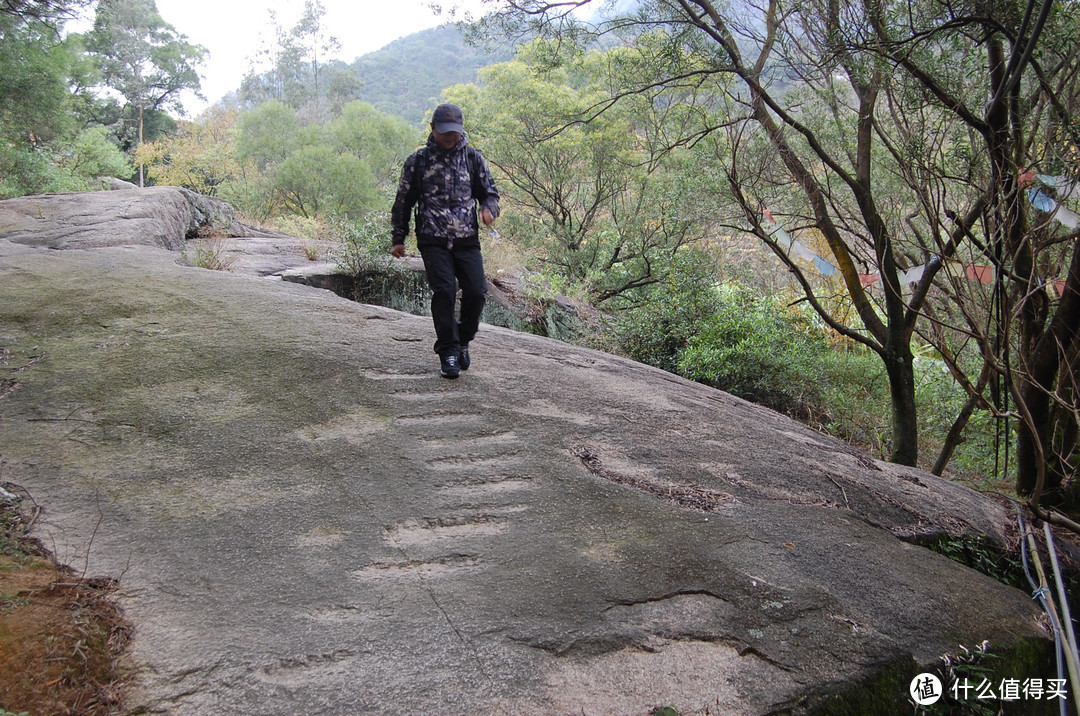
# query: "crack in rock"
[[296, 671], [692, 497]]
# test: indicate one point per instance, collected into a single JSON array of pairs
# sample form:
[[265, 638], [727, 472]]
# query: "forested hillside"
[[406, 77]]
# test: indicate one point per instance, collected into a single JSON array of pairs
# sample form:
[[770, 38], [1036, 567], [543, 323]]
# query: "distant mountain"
[[406, 77]]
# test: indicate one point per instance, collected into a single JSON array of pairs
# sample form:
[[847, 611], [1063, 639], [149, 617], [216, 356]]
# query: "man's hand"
[[487, 217], [398, 251]]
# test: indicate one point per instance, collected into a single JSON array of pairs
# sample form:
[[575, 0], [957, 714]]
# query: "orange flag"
[[983, 274]]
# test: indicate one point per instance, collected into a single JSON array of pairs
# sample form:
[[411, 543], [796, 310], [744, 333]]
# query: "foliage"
[[734, 337], [314, 180], [212, 253], [297, 72], [584, 195], [363, 254], [61, 165], [659, 329], [142, 56], [264, 134], [199, 156], [982, 555], [42, 10], [38, 112], [364, 245], [24, 170], [868, 132], [34, 94], [754, 348], [378, 140], [317, 170], [123, 120], [93, 154]]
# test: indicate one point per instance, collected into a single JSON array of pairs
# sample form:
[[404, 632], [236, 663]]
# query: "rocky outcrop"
[[306, 518], [127, 216], [157, 216]]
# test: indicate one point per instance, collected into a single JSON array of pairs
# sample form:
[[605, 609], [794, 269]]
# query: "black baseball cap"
[[447, 118]]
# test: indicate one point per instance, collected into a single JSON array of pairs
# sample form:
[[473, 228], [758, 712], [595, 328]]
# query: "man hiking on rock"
[[446, 180]]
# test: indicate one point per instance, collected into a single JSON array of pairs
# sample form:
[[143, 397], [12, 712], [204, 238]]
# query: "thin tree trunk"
[[140, 144], [955, 432]]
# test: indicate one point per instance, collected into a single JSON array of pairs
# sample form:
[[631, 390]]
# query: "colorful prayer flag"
[[1041, 201], [982, 274], [803, 252], [1066, 188], [1066, 217], [824, 266]]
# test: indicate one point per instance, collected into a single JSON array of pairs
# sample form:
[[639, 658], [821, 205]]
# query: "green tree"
[[39, 112], [316, 181], [310, 35], [33, 86], [50, 11], [298, 72], [266, 134], [200, 156], [93, 154], [317, 170], [143, 57], [586, 194], [380, 141]]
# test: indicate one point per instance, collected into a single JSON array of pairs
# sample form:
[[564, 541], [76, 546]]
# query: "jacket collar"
[[435, 146]]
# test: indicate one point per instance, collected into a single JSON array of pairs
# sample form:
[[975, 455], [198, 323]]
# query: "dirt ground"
[[60, 635]]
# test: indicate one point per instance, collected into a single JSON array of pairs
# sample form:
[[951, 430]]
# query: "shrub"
[[212, 253], [657, 324], [363, 252], [759, 350]]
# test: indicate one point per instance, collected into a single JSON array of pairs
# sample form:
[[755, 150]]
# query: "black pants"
[[443, 266]]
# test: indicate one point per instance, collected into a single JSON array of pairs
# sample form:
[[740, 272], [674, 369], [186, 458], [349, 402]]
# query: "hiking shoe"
[[450, 366], [463, 358]]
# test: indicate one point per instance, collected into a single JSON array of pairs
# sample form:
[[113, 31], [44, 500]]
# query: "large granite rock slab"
[[305, 518]]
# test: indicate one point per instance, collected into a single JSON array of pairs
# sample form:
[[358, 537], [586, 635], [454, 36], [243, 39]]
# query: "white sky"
[[232, 30]]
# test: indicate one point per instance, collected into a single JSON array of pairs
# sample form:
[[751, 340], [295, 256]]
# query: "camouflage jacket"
[[445, 187]]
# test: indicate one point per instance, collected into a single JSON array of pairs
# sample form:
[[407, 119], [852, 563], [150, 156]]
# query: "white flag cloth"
[[1059, 213], [783, 238], [912, 275], [1066, 217], [803, 252]]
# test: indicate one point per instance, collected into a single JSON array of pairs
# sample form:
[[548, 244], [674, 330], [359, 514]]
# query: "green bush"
[[657, 324], [757, 349], [364, 245], [24, 170], [853, 389], [363, 252]]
